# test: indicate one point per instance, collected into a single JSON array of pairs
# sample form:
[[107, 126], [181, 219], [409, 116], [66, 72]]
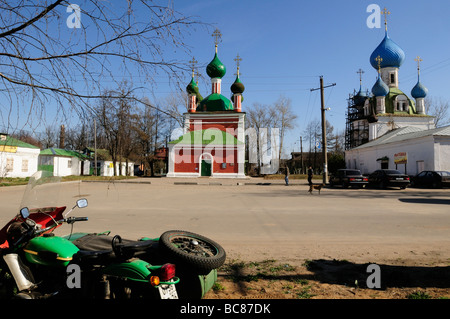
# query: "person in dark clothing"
[[310, 175], [286, 176]]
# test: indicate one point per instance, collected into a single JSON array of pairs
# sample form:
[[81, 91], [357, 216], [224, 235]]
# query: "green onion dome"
[[237, 86], [215, 68], [192, 88]]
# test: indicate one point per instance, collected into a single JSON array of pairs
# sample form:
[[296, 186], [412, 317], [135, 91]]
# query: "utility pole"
[[301, 153], [324, 129], [95, 148]]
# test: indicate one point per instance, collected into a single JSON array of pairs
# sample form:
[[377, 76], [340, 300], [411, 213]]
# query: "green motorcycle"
[[35, 263]]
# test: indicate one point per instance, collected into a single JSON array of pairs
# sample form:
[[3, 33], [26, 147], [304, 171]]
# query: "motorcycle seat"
[[94, 246], [93, 256]]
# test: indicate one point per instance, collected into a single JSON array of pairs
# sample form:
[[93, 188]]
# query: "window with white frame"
[[401, 103], [24, 165], [9, 164]]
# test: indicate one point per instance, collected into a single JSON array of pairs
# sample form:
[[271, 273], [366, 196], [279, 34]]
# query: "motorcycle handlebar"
[[71, 220]]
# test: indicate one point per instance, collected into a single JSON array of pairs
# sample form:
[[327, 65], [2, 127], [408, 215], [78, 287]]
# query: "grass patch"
[[218, 287], [418, 295], [95, 178], [13, 181]]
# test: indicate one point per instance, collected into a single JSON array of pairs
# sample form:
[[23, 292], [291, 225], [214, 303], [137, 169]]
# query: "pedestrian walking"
[[286, 176], [310, 175]]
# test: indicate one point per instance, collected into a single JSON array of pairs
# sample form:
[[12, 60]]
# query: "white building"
[[408, 149], [63, 162], [106, 168], [17, 158]]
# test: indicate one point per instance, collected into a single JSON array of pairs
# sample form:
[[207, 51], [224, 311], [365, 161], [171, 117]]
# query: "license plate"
[[168, 291], [399, 178], [358, 179]]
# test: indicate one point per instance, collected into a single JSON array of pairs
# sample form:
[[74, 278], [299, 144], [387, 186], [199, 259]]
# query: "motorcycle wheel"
[[197, 251]]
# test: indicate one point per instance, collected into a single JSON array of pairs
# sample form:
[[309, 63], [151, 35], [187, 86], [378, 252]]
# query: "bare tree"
[[49, 138], [258, 122], [174, 106], [283, 118], [439, 108], [113, 113], [44, 58]]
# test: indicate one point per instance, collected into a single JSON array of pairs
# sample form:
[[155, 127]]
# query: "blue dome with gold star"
[[392, 55]]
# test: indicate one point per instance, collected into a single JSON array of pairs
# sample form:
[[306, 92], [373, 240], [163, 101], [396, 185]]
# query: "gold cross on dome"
[[418, 60], [193, 63], [238, 60], [386, 13], [379, 60], [217, 36]]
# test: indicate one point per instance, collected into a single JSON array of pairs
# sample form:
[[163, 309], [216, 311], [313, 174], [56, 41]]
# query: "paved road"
[[268, 221]]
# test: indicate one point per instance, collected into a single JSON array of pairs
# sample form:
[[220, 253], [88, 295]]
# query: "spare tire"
[[194, 250]]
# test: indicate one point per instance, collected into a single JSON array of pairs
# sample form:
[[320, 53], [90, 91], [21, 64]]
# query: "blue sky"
[[286, 45]]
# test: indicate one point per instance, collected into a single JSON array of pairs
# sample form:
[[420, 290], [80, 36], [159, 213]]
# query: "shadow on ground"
[[351, 274], [425, 201]]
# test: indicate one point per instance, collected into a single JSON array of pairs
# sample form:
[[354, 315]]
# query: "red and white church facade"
[[213, 140]]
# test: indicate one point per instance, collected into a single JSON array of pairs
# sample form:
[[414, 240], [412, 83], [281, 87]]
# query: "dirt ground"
[[330, 279]]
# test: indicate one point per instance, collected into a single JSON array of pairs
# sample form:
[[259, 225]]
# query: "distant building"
[[105, 164], [63, 162], [17, 158]]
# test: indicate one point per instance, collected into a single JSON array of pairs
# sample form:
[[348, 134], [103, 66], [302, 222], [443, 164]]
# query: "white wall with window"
[[18, 161], [425, 150]]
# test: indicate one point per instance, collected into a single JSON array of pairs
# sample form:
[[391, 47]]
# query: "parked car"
[[388, 177], [434, 179], [348, 177]]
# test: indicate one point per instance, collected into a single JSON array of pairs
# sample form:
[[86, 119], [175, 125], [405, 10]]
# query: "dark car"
[[388, 177], [348, 177], [434, 179]]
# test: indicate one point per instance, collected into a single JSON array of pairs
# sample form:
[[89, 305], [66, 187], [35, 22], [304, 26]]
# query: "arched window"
[[401, 103]]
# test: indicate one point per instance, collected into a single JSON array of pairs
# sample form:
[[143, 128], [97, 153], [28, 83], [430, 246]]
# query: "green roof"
[[393, 93], [61, 152], [207, 137], [215, 102], [11, 141], [389, 103]]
